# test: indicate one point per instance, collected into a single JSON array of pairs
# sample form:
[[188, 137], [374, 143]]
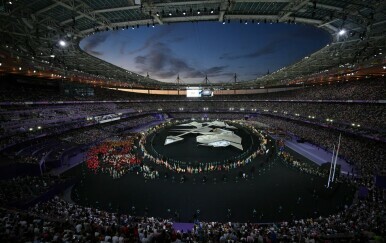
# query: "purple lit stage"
[[316, 154], [183, 227]]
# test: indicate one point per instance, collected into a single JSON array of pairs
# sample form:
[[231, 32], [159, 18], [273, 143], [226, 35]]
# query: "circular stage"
[[189, 150]]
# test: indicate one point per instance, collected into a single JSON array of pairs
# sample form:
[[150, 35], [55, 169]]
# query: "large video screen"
[[207, 93], [198, 92], [193, 92]]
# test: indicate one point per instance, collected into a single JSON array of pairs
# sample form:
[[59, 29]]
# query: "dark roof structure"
[[32, 30]]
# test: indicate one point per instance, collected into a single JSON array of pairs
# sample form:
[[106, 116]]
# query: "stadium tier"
[[192, 121]]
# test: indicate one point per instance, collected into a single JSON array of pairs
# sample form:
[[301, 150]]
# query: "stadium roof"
[[35, 29]]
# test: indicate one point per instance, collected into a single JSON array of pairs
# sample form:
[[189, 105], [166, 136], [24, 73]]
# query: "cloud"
[[93, 42], [140, 59], [269, 48], [215, 70], [122, 47], [177, 39], [258, 74], [161, 62], [194, 74], [166, 74], [157, 36]]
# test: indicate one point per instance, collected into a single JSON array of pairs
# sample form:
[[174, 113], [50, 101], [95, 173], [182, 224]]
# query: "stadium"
[[192, 121]]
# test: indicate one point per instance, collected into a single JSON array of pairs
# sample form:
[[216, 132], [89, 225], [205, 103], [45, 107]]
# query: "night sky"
[[218, 50]]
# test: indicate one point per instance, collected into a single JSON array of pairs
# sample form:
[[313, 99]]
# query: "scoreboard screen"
[[198, 92], [193, 92], [207, 93]]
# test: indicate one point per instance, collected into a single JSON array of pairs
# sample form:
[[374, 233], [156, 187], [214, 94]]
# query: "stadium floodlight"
[[342, 32], [62, 43]]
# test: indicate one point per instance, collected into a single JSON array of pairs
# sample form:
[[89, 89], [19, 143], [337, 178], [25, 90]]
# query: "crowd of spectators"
[[77, 132], [58, 220], [365, 119], [367, 89], [21, 122], [21, 118], [38, 151], [9, 141], [363, 89], [22, 189], [85, 136], [206, 116], [93, 134], [369, 115], [51, 148], [32, 159], [368, 118], [128, 124], [366, 155]]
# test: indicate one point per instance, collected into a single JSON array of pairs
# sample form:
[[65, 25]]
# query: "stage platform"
[[315, 153]]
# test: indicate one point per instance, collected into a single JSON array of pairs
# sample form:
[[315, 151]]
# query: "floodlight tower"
[[178, 81], [235, 81], [206, 80]]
